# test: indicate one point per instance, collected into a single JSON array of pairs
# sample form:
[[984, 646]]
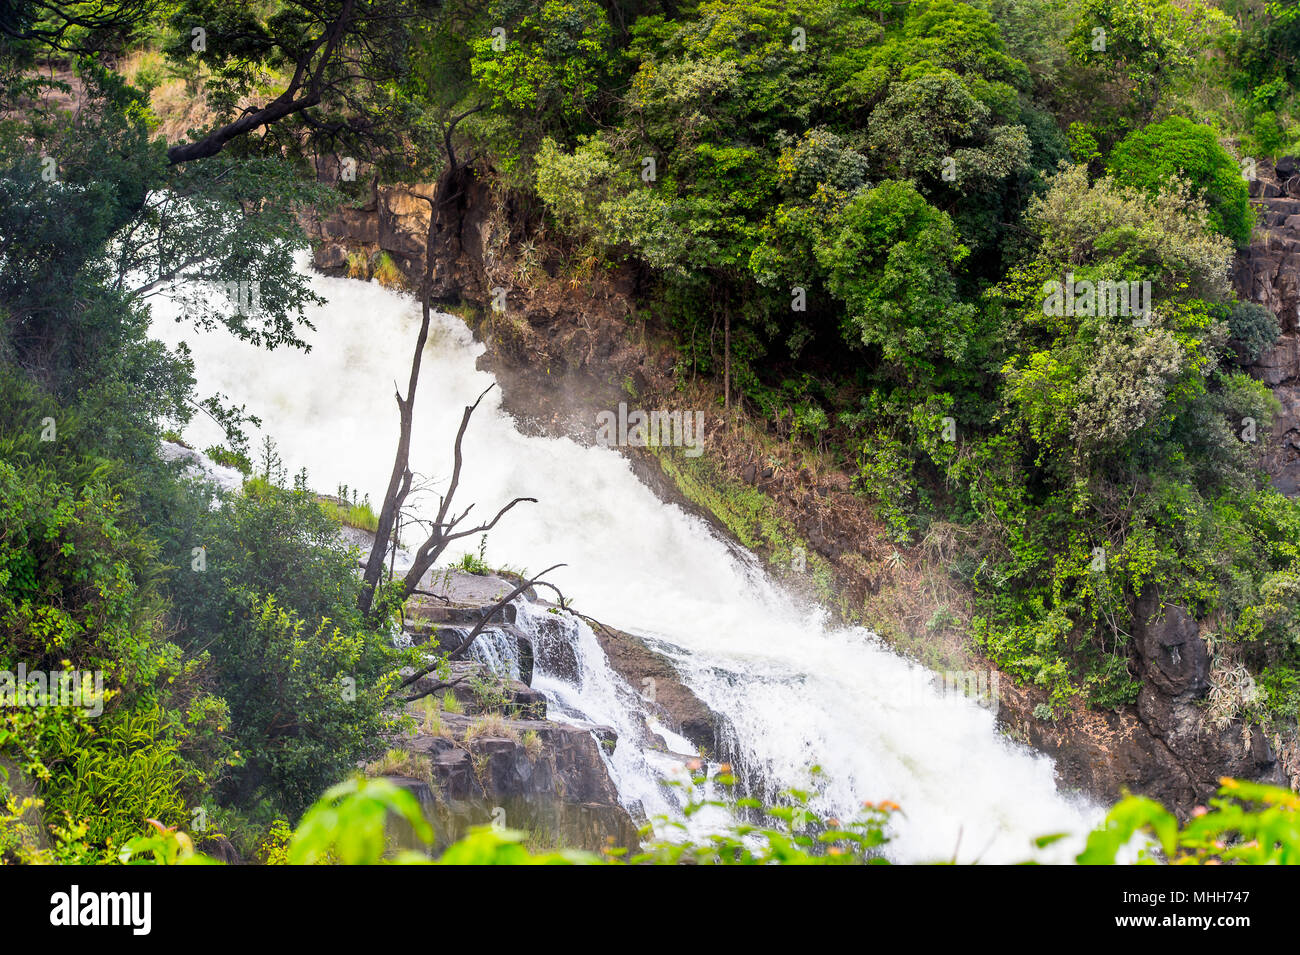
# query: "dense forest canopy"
[[978, 253]]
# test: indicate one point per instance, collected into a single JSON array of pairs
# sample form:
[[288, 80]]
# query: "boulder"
[[403, 218], [654, 677], [556, 787], [1172, 652]]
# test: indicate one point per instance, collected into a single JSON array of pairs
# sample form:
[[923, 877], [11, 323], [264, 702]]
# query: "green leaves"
[[347, 824], [223, 234], [1248, 823], [1154, 157], [1142, 45], [958, 129], [1131, 816], [892, 260], [306, 677], [552, 61], [87, 603]]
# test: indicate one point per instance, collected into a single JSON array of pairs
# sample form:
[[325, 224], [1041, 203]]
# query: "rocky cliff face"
[[543, 777], [1268, 272], [1171, 746]]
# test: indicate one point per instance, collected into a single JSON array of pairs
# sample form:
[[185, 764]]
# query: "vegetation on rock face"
[[977, 253]]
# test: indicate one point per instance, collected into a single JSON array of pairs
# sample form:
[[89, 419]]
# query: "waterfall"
[[798, 691]]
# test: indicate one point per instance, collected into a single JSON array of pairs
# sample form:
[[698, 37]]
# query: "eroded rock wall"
[[1268, 272]]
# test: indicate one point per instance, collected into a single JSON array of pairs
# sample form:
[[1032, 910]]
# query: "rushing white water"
[[798, 691], [199, 465]]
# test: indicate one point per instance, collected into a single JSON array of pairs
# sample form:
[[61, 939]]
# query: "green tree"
[[1142, 46], [892, 261], [306, 677], [1177, 149]]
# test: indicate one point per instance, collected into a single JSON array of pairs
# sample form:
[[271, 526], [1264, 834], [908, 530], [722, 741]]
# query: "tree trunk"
[[399, 481], [726, 353]]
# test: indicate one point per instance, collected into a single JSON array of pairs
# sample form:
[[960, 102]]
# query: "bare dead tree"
[[399, 481], [434, 688], [442, 530], [445, 529]]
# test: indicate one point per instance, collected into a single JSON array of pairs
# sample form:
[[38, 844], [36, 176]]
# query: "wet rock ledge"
[[483, 750]]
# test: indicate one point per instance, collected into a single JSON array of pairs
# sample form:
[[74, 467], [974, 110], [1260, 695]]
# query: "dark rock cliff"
[[1268, 272]]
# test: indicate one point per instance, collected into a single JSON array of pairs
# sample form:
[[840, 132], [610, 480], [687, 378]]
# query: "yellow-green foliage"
[[532, 743], [360, 515], [1247, 824], [432, 724], [74, 593], [358, 267], [745, 511], [386, 272]]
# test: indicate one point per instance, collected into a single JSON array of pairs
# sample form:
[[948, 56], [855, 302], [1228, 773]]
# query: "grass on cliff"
[[360, 515], [399, 762], [386, 272], [750, 515], [493, 726]]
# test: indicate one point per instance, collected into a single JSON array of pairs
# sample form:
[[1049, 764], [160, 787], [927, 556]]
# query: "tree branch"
[[286, 104], [465, 644]]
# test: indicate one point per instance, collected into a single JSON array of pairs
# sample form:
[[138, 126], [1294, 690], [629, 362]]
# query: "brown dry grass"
[[181, 103]]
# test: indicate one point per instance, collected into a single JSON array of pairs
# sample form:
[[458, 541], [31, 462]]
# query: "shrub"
[[1252, 329], [77, 593], [1153, 157]]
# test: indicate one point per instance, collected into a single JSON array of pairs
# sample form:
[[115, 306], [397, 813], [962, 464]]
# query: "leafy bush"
[[891, 259], [77, 593], [306, 677], [1246, 824], [1252, 329], [1154, 157]]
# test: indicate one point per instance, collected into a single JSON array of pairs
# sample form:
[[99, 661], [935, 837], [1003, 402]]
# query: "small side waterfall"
[[573, 672], [497, 650]]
